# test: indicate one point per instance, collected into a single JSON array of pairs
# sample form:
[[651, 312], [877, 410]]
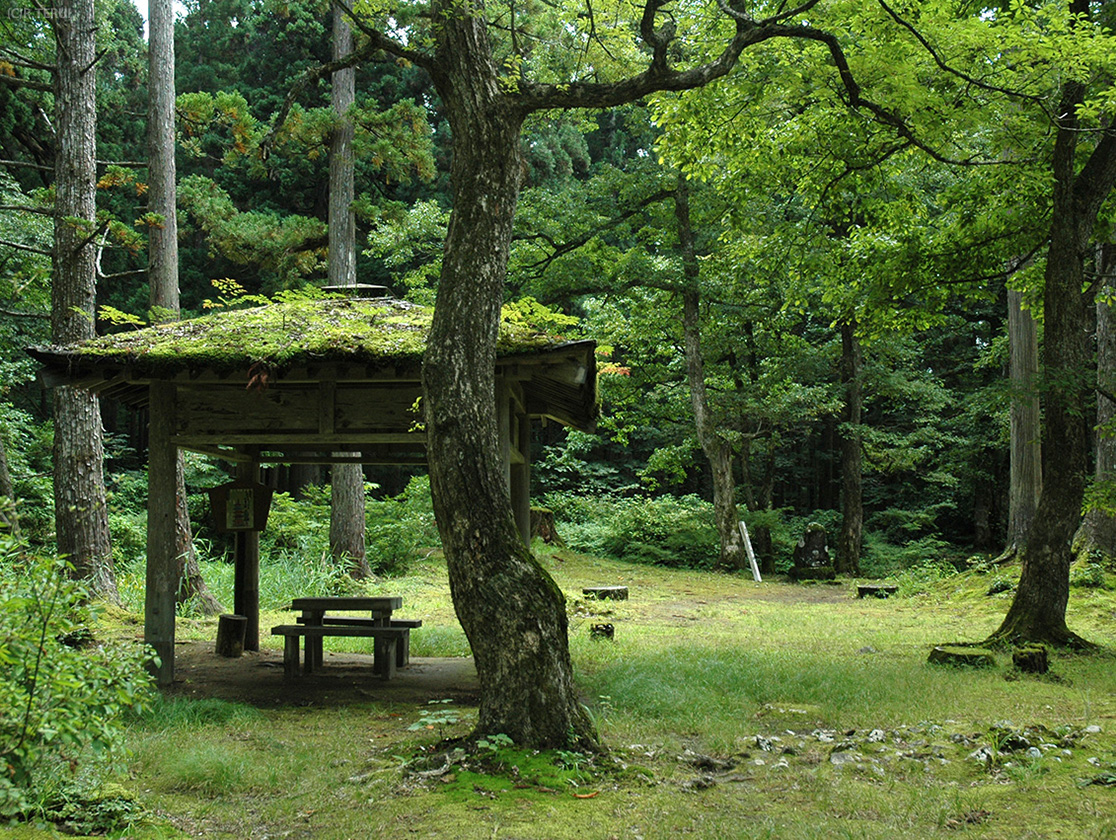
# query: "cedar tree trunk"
[[1098, 532], [346, 502], [162, 268], [852, 496], [80, 511], [1026, 425]]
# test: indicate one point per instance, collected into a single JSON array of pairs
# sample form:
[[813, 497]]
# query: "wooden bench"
[[402, 650], [384, 651]]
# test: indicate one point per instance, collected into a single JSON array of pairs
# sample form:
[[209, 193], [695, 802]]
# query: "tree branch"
[[18, 81], [965, 77], [19, 247], [562, 248]]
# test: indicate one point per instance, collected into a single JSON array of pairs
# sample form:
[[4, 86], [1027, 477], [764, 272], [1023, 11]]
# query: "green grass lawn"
[[732, 709]]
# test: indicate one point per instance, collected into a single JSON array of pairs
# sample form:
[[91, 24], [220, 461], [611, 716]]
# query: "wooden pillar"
[[162, 570], [246, 580], [521, 474], [515, 444]]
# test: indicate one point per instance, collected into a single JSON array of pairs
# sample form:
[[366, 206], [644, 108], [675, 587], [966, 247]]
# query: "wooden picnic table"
[[318, 619]]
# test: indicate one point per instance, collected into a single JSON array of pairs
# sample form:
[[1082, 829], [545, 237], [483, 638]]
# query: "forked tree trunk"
[[346, 522], [80, 509], [733, 555], [512, 612], [852, 458], [1025, 482]]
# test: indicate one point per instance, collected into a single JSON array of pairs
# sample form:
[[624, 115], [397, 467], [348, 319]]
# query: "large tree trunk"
[[1025, 482], [1038, 612], [1097, 536], [852, 495], [80, 511], [733, 554], [512, 612], [162, 267], [346, 521]]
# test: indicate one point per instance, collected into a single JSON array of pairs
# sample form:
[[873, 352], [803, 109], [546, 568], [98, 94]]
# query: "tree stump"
[[1031, 660], [542, 525], [230, 635], [974, 657]]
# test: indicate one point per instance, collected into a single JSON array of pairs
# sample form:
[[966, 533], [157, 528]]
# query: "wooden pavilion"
[[308, 380]]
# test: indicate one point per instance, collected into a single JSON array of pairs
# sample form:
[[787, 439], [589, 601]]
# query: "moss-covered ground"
[[731, 709]]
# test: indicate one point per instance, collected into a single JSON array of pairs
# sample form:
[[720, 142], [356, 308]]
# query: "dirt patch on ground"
[[256, 678]]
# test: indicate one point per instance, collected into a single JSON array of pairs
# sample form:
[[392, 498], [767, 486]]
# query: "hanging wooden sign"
[[240, 506]]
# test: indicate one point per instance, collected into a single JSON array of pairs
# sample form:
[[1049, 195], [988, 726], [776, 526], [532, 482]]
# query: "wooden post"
[[751, 553], [521, 475], [162, 570], [246, 583]]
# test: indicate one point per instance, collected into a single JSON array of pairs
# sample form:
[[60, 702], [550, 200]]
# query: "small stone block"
[[609, 593], [974, 657], [879, 590], [602, 631]]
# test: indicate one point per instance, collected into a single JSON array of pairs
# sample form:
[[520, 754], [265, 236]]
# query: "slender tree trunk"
[[162, 268], [9, 513], [852, 494], [80, 510], [733, 554], [512, 612], [1038, 612], [346, 519], [1097, 535], [1025, 482]]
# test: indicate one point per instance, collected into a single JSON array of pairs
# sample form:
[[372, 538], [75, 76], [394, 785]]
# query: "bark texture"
[[1038, 612], [346, 520], [1026, 424], [9, 514], [733, 553], [852, 457], [1097, 536], [512, 612], [80, 511], [162, 266]]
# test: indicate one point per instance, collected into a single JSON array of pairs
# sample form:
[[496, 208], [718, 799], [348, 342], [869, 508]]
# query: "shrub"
[[1088, 576], [61, 706], [663, 530]]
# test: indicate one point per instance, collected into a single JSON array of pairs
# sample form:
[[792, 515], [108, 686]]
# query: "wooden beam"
[[162, 570], [352, 440]]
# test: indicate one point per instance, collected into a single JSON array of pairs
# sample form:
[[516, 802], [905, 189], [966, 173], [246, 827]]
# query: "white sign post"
[[751, 554]]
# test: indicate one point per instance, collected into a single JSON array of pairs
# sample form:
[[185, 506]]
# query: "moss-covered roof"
[[382, 330]]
